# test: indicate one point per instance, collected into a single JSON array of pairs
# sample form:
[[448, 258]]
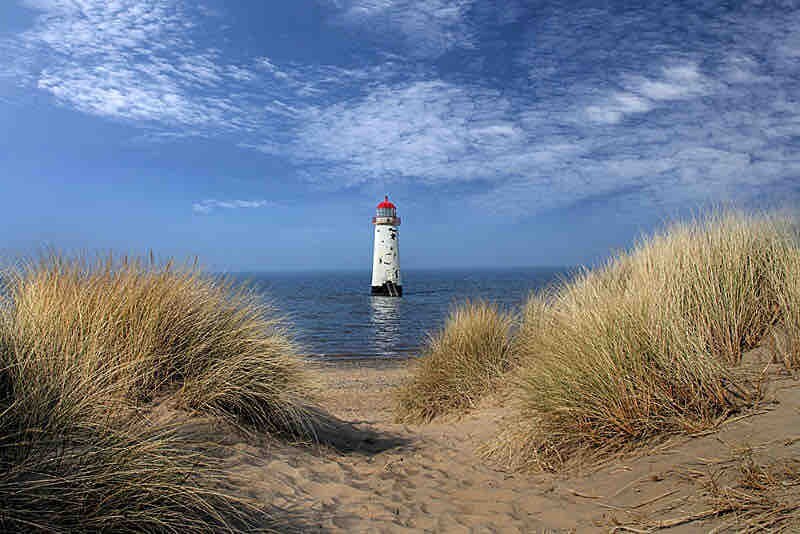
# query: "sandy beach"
[[377, 476]]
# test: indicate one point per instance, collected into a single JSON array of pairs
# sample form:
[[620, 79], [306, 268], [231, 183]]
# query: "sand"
[[377, 476]]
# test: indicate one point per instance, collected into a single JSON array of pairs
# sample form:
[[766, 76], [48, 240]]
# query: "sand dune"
[[377, 476]]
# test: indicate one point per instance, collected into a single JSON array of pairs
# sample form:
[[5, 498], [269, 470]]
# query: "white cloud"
[[125, 59], [591, 113], [677, 82], [742, 68], [267, 64], [136, 60], [205, 207], [531, 156], [615, 107], [431, 131], [430, 27]]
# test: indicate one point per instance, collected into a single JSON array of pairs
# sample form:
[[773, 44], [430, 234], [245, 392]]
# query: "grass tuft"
[[86, 348], [460, 363], [785, 340], [649, 343], [117, 480], [142, 331]]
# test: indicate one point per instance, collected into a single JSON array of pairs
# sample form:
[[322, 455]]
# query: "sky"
[[260, 135]]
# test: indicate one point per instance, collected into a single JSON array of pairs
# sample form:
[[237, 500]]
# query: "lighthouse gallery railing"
[[395, 221]]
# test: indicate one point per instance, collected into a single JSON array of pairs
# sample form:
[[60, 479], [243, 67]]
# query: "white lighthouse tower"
[[386, 279]]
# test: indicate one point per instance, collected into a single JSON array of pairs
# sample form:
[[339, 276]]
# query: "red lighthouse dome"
[[386, 213], [386, 204]]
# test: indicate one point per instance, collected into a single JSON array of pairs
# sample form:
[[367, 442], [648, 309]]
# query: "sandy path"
[[382, 477]]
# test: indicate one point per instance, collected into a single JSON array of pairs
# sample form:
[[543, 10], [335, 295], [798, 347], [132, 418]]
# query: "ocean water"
[[334, 316]]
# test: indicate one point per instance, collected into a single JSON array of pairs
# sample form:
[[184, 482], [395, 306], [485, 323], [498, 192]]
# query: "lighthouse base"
[[387, 290]]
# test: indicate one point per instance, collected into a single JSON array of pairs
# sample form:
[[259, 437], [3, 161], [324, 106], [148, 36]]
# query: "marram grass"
[[146, 331], [116, 479], [648, 344], [460, 363], [785, 340], [86, 348]]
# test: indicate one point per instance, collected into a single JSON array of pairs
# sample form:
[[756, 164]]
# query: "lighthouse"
[[386, 279]]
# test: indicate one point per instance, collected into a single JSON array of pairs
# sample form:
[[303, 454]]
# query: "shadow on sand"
[[349, 437]]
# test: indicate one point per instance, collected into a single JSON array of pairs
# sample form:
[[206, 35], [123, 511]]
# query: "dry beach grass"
[[652, 342], [460, 363], [643, 345], [86, 347]]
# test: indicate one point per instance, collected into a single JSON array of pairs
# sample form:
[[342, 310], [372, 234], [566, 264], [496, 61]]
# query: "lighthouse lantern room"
[[386, 279]]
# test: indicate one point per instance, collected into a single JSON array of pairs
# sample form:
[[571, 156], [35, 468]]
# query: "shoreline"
[[376, 362]]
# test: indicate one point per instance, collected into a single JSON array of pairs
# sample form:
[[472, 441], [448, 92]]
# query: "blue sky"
[[260, 135]]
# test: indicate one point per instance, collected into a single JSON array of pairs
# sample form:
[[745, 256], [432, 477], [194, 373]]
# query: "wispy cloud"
[[129, 59], [660, 118], [205, 207], [661, 102], [429, 27], [643, 93], [137, 60], [431, 131]]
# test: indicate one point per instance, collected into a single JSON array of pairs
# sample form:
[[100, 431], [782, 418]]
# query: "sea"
[[333, 315]]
